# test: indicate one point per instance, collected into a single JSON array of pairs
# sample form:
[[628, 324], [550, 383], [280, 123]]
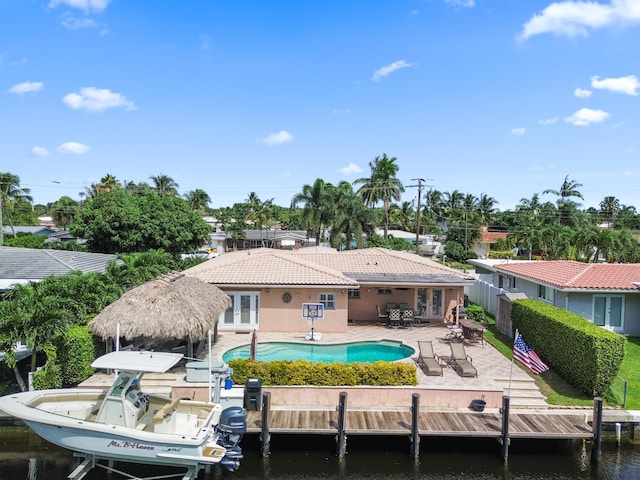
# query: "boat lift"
[[92, 461]]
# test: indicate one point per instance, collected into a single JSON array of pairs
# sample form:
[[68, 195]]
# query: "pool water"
[[385, 350]]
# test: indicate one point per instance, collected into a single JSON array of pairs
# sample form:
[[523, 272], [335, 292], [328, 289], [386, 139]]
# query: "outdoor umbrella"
[[169, 306], [254, 345]]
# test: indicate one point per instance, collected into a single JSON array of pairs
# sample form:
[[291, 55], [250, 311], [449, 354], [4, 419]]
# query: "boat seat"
[[166, 410]]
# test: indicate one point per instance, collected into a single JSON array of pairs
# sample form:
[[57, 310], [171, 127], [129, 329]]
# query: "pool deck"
[[449, 390]]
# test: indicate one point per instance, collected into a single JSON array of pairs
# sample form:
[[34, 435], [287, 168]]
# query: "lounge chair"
[[461, 362], [428, 360]]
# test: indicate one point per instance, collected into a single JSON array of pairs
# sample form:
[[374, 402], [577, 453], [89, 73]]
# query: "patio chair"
[[428, 360], [461, 362], [395, 318], [383, 318], [407, 318], [456, 334]]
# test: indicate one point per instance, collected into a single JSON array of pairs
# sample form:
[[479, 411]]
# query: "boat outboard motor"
[[230, 429]]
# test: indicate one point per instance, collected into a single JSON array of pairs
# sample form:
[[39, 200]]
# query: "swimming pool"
[[384, 350]]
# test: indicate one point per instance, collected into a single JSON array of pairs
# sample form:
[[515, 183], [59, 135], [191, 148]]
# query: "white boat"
[[125, 424]]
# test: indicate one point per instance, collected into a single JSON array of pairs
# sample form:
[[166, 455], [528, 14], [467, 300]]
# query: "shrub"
[[585, 355], [300, 372], [76, 351], [49, 375]]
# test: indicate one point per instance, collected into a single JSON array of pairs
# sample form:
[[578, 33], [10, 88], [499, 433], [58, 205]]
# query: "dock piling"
[[415, 418], [504, 439], [596, 449], [342, 421], [265, 436]]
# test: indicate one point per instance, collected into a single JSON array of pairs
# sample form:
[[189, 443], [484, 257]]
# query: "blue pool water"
[[385, 350]]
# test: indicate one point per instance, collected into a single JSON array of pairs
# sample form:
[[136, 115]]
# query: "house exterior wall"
[[278, 316]]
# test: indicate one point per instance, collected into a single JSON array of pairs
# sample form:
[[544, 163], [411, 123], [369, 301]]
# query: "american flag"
[[525, 355]]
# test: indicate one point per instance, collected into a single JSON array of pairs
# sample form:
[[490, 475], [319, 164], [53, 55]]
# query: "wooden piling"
[[596, 448], [504, 438], [342, 424], [265, 436], [415, 421]]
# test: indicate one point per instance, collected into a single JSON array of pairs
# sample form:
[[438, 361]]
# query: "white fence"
[[486, 295]]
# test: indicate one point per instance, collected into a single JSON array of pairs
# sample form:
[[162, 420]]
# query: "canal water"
[[25, 456]]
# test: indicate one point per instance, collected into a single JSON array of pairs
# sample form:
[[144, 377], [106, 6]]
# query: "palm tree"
[[11, 194], [198, 199], [351, 219], [316, 202], [568, 190], [609, 207], [164, 185], [486, 207], [64, 211], [382, 185], [108, 183]]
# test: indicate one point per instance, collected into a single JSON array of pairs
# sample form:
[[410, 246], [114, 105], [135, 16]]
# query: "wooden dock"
[[541, 425]]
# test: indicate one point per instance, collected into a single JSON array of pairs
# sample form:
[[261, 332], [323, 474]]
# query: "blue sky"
[[501, 97]]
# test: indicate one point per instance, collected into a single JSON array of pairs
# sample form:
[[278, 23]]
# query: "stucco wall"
[[278, 316]]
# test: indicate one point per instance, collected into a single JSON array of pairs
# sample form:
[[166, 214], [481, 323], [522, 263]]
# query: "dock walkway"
[[452, 423]]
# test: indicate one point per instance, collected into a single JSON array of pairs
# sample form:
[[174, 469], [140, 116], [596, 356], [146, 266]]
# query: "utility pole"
[[418, 211]]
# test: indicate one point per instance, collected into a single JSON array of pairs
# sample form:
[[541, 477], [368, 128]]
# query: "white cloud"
[[74, 23], [349, 169], [97, 100], [576, 18], [39, 151], [96, 6], [74, 148], [548, 121], [26, 87], [462, 3], [582, 93], [277, 138], [627, 85], [586, 116], [389, 69], [518, 132]]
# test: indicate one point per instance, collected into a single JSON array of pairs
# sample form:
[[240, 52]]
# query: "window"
[[328, 300], [354, 293], [384, 291], [545, 293]]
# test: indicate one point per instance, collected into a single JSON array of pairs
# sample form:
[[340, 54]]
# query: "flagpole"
[[512, 361]]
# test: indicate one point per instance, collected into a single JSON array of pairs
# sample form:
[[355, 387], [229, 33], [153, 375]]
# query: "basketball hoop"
[[313, 311]]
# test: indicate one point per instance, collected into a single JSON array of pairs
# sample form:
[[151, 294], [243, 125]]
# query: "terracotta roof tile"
[[577, 275], [314, 266]]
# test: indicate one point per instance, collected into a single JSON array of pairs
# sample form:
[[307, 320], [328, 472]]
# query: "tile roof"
[[491, 237], [577, 275], [20, 265], [321, 266]]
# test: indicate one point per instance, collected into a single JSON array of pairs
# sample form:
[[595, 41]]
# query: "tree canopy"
[[119, 222]]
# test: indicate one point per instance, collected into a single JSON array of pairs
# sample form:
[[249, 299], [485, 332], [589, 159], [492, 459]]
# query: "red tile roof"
[[491, 237], [577, 275]]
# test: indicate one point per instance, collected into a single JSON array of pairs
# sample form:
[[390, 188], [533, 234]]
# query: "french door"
[[244, 312], [430, 302], [608, 311]]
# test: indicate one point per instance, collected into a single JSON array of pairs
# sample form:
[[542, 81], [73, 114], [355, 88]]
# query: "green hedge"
[[324, 374], [76, 351], [49, 376], [585, 355]]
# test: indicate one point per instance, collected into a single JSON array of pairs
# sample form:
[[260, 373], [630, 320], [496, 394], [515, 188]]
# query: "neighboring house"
[[24, 265], [268, 287], [483, 246], [606, 294], [33, 229]]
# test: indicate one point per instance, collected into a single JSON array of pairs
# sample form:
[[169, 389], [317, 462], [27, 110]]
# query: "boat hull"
[[125, 448]]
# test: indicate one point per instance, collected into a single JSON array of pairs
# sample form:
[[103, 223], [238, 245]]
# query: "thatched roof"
[[170, 306]]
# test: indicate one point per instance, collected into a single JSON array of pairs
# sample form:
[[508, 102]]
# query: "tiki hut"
[[172, 306]]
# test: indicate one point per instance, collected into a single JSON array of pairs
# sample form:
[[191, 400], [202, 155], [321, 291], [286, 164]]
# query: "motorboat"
[[126, 424]]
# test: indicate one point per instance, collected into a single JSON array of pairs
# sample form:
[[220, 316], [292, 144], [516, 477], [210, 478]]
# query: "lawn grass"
[[559, 392]]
